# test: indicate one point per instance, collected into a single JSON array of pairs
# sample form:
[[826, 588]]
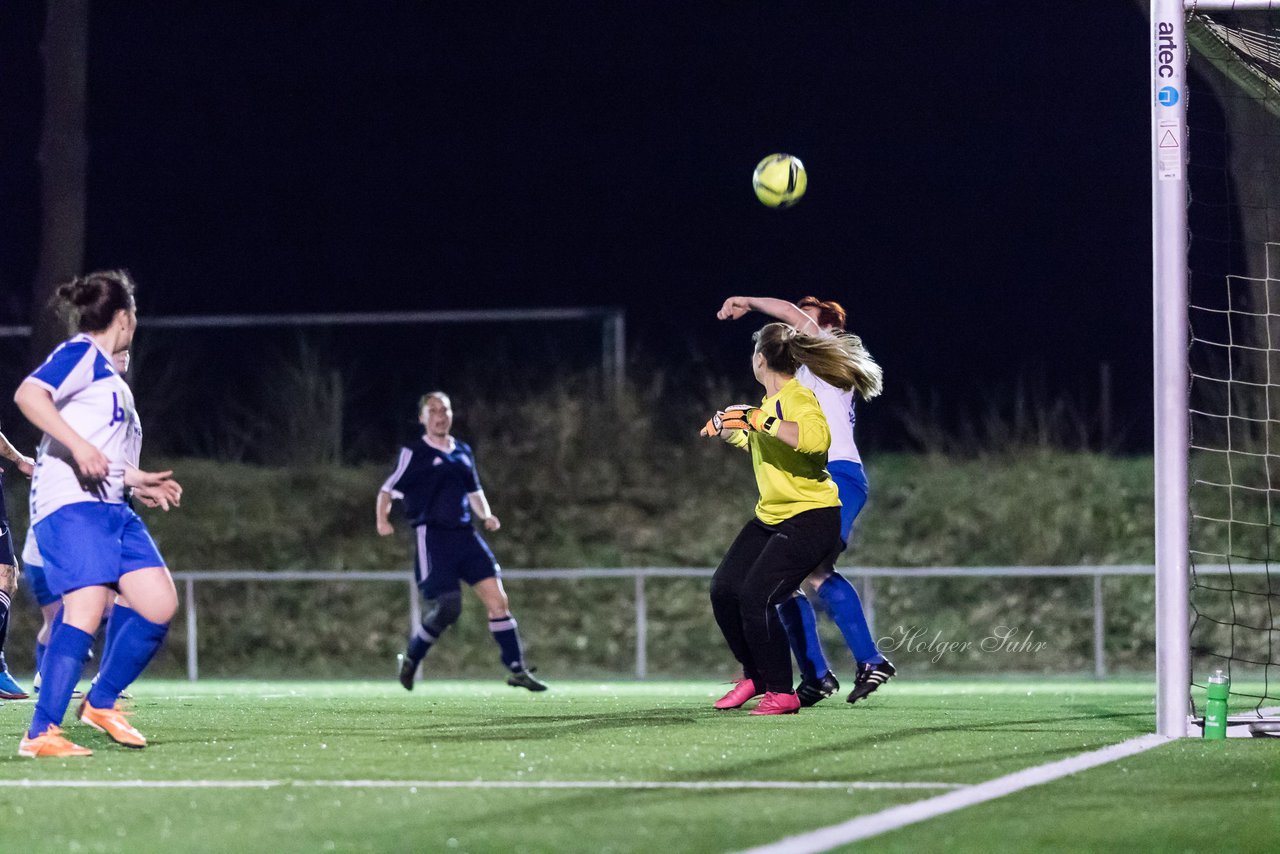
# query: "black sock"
[[504, 632]]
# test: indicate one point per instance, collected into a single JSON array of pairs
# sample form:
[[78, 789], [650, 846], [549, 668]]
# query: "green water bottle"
[[1215, 710]]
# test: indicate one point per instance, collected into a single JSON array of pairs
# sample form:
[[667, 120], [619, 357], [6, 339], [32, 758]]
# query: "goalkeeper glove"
[[742, 417], [754, 417], [713, 426]]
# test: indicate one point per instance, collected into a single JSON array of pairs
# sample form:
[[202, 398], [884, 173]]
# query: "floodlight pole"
[[1172, 438]]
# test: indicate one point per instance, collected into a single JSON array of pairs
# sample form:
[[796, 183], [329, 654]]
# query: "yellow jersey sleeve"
[[815, 434], [792, 480]]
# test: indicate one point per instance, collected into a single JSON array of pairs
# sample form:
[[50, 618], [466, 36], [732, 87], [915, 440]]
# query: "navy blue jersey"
[[433, 484]]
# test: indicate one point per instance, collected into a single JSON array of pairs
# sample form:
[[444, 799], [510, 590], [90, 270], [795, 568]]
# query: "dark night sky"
[[978, 196]]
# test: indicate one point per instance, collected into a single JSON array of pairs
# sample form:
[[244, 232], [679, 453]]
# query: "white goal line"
[[413, 785], [874, 824]]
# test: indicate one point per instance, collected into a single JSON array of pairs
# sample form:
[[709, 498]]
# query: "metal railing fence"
[[866, 574]]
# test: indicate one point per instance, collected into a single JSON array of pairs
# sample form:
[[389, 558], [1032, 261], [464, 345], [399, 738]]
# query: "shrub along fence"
[[572, 495], [651, 621]]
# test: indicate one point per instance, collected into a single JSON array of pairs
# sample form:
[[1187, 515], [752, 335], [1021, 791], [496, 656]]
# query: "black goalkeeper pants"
[[765, 565]]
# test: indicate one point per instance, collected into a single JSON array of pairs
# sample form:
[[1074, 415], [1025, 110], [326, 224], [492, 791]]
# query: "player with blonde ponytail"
[[838, 371], [797, 519]]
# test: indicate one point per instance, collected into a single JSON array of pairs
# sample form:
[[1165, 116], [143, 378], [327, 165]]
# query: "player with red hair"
[[796, 525], [826, 318]]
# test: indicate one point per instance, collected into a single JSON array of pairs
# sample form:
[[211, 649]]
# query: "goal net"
[[1232, 170]]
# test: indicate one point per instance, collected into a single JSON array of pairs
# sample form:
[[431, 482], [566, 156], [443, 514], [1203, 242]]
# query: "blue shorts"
[[92, 544], [443, 557], [34, 573], [851, 480]]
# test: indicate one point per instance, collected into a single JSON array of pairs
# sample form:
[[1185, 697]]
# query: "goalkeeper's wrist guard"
[[763, 422], [743, 417]]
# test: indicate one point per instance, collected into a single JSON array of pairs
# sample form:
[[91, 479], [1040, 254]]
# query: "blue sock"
[[845, 609], [63, 661], [801, 625], [41, 648], [508, 638], [136, 642], [109, 634]]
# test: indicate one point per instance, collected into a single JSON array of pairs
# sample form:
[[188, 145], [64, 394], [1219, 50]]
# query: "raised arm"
[[778, 309]]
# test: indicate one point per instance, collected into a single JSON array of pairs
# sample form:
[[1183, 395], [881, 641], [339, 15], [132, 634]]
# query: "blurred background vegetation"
[[582, 478]]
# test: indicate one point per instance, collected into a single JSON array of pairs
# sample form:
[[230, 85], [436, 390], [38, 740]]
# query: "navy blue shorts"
[[8, 556], [443, 557], [92, 544]]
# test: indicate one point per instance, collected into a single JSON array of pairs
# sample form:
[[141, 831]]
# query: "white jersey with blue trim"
[[96, 402], [838, 406]]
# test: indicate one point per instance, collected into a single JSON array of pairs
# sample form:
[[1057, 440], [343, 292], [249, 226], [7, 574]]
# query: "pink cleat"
[[744, 690], [775, 703]]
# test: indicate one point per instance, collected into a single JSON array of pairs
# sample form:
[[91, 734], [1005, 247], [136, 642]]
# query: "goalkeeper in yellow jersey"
[[824, 317], [797, 520]]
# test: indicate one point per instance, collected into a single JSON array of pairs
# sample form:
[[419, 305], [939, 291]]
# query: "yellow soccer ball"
[[780, 180]]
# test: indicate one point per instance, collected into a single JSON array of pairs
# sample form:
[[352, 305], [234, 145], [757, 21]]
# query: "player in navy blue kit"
[[9, 689], [436, 481]]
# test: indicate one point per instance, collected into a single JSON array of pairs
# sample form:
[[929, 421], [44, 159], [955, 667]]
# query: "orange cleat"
[[111, 721], [50, 743], [744, 690], [777, 703]]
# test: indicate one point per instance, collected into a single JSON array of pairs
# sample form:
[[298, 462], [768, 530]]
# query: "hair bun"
[[93, 299], [77, 292]]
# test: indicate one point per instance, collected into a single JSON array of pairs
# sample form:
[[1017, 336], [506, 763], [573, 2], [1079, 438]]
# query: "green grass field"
[[589, 766]]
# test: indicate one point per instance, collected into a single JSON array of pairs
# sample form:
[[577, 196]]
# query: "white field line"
[[226, 696], [621, 784], [467, 784], [140, 784], [864, 827]]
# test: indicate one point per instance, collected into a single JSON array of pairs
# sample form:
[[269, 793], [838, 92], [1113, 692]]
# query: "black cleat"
[[870, 677], [524, 679], [812, 691], [408, 667]]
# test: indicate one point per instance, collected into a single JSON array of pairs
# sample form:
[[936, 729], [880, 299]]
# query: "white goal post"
[[1169, 298], [1169, 52]]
